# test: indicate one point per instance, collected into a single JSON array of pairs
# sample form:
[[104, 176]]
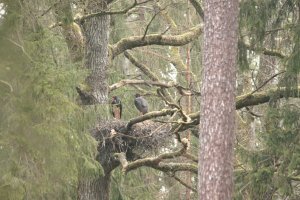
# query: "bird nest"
[[143, 138]]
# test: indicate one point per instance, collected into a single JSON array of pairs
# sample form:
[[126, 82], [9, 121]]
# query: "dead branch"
[[155, 162], [148, 73], [268, 80], [155, 39]]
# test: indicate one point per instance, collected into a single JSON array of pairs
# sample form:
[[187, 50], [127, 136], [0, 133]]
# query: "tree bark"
[[96, 30], [96, 189], [217, 121]]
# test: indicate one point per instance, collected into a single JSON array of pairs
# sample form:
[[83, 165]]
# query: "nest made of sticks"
[[142, 138]]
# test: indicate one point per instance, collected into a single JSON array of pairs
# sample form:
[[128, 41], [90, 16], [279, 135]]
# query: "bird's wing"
[[144, 102], [136, 102]]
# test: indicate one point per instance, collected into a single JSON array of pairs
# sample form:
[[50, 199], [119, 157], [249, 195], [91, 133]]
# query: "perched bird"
[[141, 104], [116, 107]]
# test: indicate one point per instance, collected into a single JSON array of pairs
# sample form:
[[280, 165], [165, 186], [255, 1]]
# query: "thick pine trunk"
[[217, 121]]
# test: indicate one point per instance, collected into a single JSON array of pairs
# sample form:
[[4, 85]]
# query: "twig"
[[148, 25], [252, 113], [262, 85], [46, 11], [7, 84], [184, 184], [124, 11], [22, 48]]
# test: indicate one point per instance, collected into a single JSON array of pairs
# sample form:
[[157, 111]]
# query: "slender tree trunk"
[[217, 120]]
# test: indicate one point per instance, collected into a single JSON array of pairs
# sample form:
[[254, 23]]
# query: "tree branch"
[[184, 184], [183, 91], [155, 39], [124, 11], [8, 85], [155, 162], [150, 115], [147, 72], [263, 50], [198, 8], [263, 84], [264, 96]]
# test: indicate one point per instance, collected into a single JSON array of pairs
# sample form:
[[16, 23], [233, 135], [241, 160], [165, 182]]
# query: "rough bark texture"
[[96, 189], [96, 32], [71, 30], [217, 121]]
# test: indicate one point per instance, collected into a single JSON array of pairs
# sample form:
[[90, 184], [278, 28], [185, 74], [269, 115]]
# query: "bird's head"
[[137, 95]]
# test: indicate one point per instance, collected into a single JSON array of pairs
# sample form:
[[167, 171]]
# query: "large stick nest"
[[140, 140]]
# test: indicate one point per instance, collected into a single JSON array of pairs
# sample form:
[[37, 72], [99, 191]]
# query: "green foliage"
[[271, 170], [139, 184], [44, 146]]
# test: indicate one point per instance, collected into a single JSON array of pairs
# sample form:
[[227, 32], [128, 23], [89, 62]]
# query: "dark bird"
[[116, 107], [141, 104]]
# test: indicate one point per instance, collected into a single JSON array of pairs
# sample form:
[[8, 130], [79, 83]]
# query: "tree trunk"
[[96, 30], [217, 121], [95, 189]]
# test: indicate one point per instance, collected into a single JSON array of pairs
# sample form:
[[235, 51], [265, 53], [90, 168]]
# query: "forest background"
[[62, 61]]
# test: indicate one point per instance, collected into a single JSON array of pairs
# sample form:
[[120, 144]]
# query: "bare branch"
[[147, 72], [148, 25], [262, 85], [264, 50], [7, 84], [155, 162], [155, 39], [118, 12], [184, 184], [183, 91], [150, 115], [264, 96], [198, 8]]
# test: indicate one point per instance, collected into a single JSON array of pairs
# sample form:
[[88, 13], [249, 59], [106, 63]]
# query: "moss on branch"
[[155, 39]]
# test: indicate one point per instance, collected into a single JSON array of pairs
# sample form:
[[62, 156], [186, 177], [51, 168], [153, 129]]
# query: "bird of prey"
[[116, 107], [141, 104]]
